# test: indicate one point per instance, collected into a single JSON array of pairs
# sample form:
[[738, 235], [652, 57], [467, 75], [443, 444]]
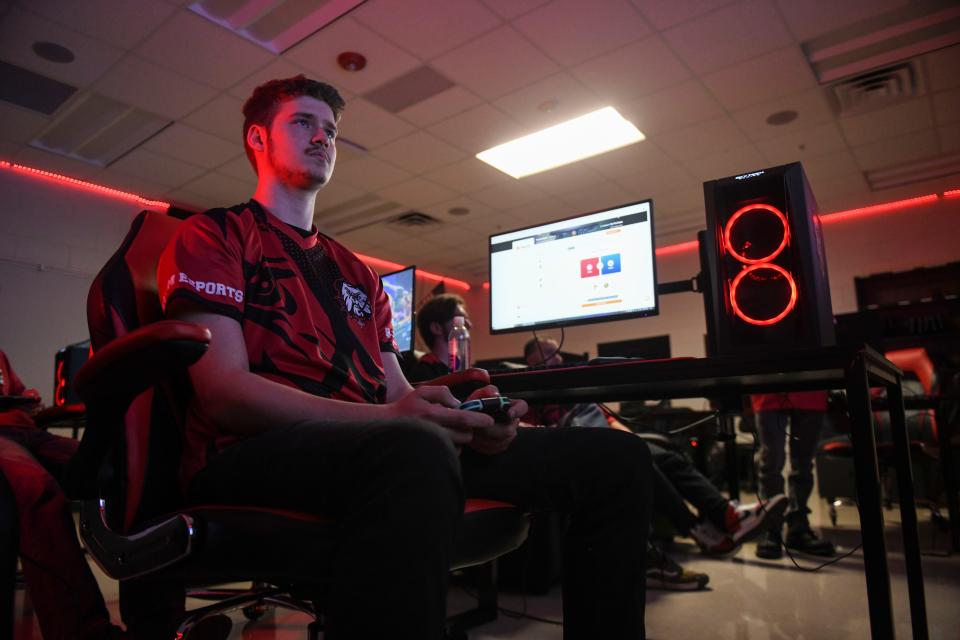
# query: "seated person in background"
[[300, 403], [62, 588], [434, 321], [721, 525]]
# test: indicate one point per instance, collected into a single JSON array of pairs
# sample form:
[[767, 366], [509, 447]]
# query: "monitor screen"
[[400, 287], [594, 267]]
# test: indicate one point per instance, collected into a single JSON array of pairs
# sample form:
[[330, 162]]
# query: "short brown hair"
[[262, 105], [440, 308]]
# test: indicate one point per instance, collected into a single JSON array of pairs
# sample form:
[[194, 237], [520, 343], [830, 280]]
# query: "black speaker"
[[766, 282], [65, 366]]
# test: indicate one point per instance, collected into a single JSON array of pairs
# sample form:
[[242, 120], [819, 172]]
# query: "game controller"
[[496, 407]]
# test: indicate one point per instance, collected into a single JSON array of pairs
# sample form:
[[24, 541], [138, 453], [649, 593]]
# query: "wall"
[[922, 235], [53, 240]]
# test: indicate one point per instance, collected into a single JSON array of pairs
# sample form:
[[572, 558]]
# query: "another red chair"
[[133, 517]]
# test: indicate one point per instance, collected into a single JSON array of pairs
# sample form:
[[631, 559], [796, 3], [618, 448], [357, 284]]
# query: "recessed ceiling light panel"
[[583, 137]]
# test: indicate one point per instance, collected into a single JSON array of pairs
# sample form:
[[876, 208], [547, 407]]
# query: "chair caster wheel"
[[254, 611]]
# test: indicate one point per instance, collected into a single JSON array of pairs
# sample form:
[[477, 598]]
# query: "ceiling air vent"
[[414, 220], [877, 89]]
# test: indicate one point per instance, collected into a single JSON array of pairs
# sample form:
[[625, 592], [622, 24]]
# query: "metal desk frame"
[[855, 370]]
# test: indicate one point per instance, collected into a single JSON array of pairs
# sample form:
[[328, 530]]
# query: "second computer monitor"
[[401, 289], [594, 267]]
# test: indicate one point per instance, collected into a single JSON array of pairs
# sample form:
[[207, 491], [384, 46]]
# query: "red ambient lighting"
[[743, 211], [394, 266], [758, 321], [86, 186]]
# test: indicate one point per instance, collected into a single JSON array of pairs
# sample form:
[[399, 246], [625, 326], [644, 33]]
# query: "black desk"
[[17, 402], [855, 370]]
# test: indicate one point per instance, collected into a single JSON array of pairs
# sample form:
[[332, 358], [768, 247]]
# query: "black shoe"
[[664, 573], [770, 545], [805, 541]]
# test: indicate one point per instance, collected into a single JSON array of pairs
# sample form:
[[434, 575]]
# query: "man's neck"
[[441, 352], [293, 206]]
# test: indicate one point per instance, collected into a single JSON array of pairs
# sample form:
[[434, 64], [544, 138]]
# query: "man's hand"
[[439, 406], [496, 438]]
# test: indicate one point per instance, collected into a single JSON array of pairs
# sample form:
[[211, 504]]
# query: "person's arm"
[[238, 401]]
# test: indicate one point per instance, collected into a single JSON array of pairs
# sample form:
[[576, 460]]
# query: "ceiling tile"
[[707, 137], [416, 193], [601, 196], [496, 63], [541, 211], [334, 193], [319, 52], [225, 190], [202, 50], [946, 105], [508, 195], [193, 146], [572, 31], [550, 101], [478, 129], [370, 173], [239, 168], [145, 85], [20, 125], [911, 115], [812, 18], [468, 175], [729, 162], [891, 152], [729, 35], [643, 183], [19, 30], [138, 185], [811, 107], [672, 108], [629, 159], [804, 144], [677, 201], [761, 78], [275, 70], [222, 116], [949, 137], [442, 105], [942, 66], [427, 28], [159, 168], [832, 167], [120, 22], [39, 159], [369, 125], [445, 237], [638, 69], [663, 14], [378, 234], [419, 152], [509, 9], [193, 201], [561, 180], [441, 210]]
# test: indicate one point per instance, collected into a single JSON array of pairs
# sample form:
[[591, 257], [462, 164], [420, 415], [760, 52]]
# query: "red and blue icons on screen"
[[604, 265], [763, 292]]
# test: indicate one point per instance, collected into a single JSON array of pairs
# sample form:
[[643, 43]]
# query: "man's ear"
[[436, 330], [256, 137]]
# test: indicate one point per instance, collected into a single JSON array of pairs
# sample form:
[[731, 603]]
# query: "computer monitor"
[[401, 290], [594, 267]]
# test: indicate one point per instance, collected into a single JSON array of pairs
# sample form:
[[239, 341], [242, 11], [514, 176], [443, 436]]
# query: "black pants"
[[398, 489], [676, 481], [804, 433]]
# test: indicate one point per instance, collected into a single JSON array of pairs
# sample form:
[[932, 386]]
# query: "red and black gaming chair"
[[133, 517]]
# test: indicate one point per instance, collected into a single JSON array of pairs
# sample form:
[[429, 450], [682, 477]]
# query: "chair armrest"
[[130, 365], [461, 383]]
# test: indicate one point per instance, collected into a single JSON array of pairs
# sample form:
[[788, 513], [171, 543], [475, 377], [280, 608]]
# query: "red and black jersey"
[[313, 316]]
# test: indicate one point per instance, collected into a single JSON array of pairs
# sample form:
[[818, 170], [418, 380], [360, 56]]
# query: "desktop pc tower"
[[764, 268]]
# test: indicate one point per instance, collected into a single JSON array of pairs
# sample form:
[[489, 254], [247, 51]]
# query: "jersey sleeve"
[[383, 317], [202, 267]]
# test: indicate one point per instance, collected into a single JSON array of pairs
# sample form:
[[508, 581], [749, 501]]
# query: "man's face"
[[550, 350], [448, 325], [301, 150]]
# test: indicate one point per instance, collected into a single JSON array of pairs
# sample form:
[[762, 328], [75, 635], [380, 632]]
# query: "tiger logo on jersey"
[[355, 301]]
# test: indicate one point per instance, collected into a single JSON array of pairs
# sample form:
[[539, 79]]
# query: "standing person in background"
[[805, 412], [62, 588]]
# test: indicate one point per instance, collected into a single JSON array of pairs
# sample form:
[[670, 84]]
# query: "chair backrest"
[[916, 361], [124, 297]]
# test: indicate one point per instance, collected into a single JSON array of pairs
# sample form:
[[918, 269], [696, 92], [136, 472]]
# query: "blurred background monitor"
[[400, 287], [652, 348], [594, 267]]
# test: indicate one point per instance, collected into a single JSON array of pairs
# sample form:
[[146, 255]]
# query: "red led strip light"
[[394, 266], [82, 184], [754, 207], [780, 316]]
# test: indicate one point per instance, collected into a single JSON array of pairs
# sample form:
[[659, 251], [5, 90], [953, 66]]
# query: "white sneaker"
[[746, 521], [712, 540]]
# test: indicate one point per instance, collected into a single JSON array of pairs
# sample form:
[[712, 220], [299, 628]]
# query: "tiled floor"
[[747, 598]]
